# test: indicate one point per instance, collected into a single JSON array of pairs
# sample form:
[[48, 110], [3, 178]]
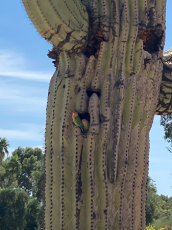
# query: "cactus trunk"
[[97, 180]]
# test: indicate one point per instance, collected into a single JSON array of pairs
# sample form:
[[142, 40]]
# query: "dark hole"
[[90, 92], [95, 38], [146, 61], [151, 39], [94, 215], [63, 86], [84, 116], [77, 89]]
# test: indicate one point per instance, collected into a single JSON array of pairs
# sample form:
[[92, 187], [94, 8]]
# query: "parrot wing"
[[77, 121]]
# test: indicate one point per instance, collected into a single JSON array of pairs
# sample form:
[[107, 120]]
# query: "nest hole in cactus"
[[93, 47], [90, 92], [85, 115], [152, 38]]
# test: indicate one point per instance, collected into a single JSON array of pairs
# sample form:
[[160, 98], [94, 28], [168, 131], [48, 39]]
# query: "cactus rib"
[[62, 23]]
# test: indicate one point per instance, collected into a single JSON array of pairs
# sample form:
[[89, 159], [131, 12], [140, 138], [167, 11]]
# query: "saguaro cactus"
[[109, 66]]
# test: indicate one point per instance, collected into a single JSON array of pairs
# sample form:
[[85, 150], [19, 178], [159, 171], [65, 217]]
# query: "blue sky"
[[25, 72]]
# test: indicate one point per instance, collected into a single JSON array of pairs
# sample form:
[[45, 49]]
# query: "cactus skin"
[[97, 180], [164, 106], [62, 23]]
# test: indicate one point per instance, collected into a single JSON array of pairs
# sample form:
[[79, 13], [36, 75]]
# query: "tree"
[[18, 210], [13, 168], [24, 169], [37, 180], [31, 161], [32, 211], [3, 148], [12, 209], [110, 69], [166, 122], [21, 177], [162, 211], [158, 207], [151, 201]]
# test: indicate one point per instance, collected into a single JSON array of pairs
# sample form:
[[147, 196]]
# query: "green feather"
[[77, 121], [86, 124]]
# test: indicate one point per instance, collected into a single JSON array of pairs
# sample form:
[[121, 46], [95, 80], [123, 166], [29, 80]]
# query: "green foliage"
[[37, 179], [166, 122], [32, 211], [12, 209], [151, 201], [3, 148], [163, 209], [159, 208], [32, 164], [18, 207], [163, 221], [21, 178], [9, 170]]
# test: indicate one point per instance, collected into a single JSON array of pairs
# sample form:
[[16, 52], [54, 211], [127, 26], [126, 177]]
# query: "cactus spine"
[[108, 57]]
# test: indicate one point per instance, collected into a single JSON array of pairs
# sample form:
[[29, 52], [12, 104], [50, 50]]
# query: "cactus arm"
[[164, 106], [62, 23]]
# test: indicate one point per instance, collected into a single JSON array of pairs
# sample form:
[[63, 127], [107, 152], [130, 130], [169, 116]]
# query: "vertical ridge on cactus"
[[110, 69], [62, 23]]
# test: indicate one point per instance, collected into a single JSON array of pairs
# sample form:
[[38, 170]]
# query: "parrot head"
[[74, 114], [86, 124]]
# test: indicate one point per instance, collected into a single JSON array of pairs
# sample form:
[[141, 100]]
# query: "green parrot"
[[77, 121], [86, 125]]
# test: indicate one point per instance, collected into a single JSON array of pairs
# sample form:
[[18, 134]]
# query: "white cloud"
[[15, 65], [36, 76], [17, 96], [11, 97], [32, 126], [25, 131], [20, 135]]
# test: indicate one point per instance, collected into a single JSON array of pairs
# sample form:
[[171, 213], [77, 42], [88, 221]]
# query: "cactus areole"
[[109, 64]]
